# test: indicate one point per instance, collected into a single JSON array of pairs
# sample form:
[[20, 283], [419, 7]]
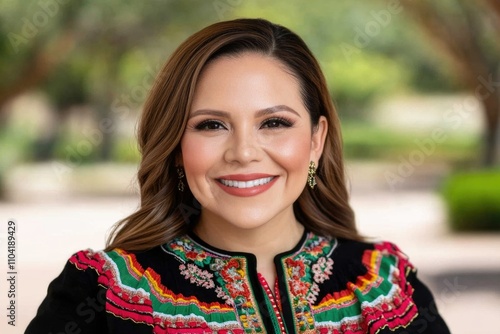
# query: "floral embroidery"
[[312, 265], [296, 268], [313, 293], [197, 276], [380, 297], [187, 250], [322, 269], [223, 295], [233, 279], [226, 275], [316, 246], [217, 264]]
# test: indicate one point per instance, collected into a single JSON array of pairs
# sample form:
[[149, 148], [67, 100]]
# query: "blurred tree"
[[467, 33], [357, 72], [105, 54], [33, 46], [78, 53]]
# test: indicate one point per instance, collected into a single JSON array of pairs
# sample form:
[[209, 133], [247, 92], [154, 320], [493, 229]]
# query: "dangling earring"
[[180, 176], [311, 175]]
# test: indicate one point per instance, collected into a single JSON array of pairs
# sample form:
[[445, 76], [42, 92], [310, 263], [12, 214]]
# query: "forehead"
[[248, 79]]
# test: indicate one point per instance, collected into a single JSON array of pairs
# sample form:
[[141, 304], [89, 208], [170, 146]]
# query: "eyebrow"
[[260, 113]]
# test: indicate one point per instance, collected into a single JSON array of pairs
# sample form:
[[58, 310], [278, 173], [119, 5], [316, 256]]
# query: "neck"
[[265, 241]]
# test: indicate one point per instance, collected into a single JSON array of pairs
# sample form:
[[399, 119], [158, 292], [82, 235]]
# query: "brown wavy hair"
[[164, 211]]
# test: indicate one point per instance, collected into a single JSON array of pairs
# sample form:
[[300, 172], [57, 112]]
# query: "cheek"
[[293, 152], [196, 156]]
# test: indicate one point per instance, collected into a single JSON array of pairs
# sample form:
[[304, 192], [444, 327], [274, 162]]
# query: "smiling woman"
[[246, 150], [244, 224]]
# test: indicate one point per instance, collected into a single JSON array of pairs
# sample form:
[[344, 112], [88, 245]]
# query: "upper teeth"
[[246, 184]]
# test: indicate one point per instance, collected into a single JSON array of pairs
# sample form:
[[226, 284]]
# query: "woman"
[[244, 224]]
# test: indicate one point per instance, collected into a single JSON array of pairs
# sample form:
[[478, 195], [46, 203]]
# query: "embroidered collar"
[[225, 253]]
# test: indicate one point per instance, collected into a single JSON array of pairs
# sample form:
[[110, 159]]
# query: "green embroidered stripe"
[[187, 306]]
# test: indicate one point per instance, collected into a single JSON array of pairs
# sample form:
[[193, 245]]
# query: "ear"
[[318, 139], [178, 158]]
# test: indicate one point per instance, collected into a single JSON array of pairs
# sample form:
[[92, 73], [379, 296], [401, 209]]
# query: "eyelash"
[[204, 125], [282, 122], [207, 125]]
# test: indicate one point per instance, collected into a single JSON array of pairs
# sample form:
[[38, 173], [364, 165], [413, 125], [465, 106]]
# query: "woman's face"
[[248, 142]]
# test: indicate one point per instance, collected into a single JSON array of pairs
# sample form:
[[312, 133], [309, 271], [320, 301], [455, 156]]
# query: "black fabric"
[[75, 301]]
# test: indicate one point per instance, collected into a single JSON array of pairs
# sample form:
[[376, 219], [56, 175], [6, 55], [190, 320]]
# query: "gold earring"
[[180, 176], [311, 175]]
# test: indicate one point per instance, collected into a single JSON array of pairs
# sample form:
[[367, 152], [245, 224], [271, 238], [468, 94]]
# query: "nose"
[[243, 147]]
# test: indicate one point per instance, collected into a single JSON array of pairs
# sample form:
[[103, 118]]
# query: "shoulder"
[[377, 281], [367, 267], [117, 264], [367, 280], [372, 255], [385, 247], [355, 258]]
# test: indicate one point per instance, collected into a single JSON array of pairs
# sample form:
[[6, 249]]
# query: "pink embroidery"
[[223, 295], [197, 276], [322, 269], [313, 293]]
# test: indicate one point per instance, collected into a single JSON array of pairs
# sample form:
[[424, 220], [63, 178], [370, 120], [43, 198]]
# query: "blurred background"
[[416, 83]]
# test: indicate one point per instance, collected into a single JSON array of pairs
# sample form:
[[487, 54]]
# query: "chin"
[[247, 224]]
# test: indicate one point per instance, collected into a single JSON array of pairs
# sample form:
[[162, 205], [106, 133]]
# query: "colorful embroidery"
[[272, 300], [197, 276], [381, 294], [234, 280], [187, 251], [231, 274], [379, 297], [322, 269], [300, 268], [138, 295], [223, 295]]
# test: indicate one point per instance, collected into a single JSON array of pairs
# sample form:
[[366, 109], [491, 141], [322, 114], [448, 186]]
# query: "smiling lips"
[[245, 185]]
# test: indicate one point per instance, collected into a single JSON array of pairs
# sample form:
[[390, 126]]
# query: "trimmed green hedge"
[[473, 201]]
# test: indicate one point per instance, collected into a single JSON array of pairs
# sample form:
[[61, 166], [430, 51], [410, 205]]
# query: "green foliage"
[[473, 201], [75, 149], [363, 141], [15, 147], [66, 86], [358, 67], [125, 150], [367, 77], [118, 47], [79, 150]]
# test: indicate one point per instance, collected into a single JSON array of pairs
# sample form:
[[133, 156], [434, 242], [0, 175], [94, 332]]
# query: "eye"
[[277, 122], [210, 125]]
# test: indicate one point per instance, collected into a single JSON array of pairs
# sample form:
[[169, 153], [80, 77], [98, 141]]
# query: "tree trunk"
[[460, 42], [491, 150], [108, 137]]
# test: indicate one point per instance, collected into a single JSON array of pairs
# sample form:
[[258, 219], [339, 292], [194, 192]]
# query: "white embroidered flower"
[[197, 275], [322, 269], [223, 295], [313, 293]]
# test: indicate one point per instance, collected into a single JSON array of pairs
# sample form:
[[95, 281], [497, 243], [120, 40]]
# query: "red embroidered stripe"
[[126, 314], [264, 284], [144, 307]]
